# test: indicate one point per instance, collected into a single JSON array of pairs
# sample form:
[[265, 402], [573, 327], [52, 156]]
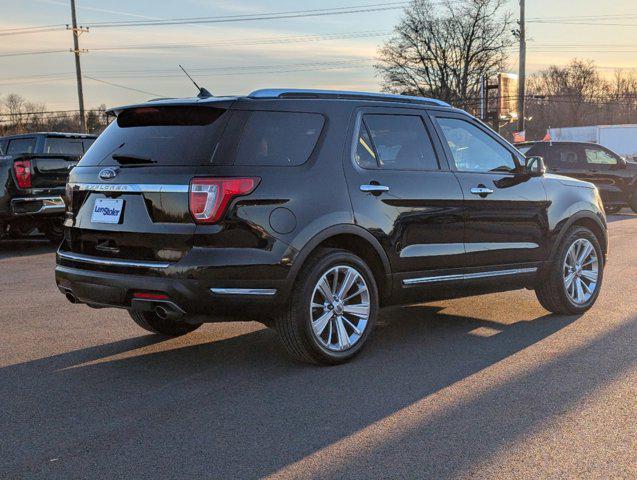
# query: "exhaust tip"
[[161, 312], [71, 298]]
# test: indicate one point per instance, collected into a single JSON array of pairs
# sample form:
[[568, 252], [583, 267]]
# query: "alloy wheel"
[[581, 271], [340, 308]]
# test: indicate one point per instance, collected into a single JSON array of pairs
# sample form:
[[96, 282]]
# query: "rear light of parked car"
[[22, 169], [210, 197]]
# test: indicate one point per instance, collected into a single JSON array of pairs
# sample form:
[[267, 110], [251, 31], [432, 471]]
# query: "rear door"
[[506, 217], [129, 193], [404, 193]]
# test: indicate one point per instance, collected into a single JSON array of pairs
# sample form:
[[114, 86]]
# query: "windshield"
[[525, 148], [166, 135]]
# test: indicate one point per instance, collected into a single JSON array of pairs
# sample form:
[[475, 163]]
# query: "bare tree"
[[444, 50]]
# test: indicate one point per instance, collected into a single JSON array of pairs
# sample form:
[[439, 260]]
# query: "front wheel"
[[164, 326], [332, 310], [575, 277]]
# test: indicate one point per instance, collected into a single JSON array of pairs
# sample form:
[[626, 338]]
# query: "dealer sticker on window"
[[107, 210]]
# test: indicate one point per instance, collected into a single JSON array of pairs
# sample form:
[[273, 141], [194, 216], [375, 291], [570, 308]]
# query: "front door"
[[403, 191], [506, 210]]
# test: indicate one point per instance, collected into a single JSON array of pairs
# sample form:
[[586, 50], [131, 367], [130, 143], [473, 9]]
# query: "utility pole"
[[78, 68], [522, 72]]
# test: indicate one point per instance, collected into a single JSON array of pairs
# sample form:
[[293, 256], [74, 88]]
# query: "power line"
[[227, 43], [256, 17], [124, 86]]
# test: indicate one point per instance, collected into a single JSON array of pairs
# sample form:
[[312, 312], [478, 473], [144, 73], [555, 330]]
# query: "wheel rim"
[[340, 308], [581, 271]]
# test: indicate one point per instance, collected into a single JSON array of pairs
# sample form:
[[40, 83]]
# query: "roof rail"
[[301, 93]]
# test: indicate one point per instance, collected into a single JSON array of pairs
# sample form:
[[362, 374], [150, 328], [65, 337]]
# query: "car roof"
[[290, 94]]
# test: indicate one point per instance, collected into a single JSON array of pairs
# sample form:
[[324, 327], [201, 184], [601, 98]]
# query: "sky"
[[330, 51]]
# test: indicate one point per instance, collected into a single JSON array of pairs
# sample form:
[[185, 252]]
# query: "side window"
[[597, 156], [395, 142], [3, 147], [20, 146], [63, 146], [279, 139], [563, 156], [87, 143], [365, 155], [473, 150]]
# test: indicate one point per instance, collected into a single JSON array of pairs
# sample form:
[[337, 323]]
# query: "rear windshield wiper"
[[131, 159]]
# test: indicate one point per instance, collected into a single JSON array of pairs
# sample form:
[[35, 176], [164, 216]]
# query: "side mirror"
[[622, 163], [534, 166]]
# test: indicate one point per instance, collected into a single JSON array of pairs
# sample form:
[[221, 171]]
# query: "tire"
[[54, 233], [553, 293], [340, 338], [613, 209], [633, 202], [172, 328]]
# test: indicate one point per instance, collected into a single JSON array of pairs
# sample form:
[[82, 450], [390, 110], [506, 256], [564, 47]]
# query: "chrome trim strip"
[[111, 262], [130, 187], [244, 291], [49, 204], [469, 276]]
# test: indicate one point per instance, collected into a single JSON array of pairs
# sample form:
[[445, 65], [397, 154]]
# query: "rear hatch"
[[129, 195], [51, 171]]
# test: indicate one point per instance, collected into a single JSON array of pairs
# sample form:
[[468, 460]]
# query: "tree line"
[[445, 49], [19, 115]]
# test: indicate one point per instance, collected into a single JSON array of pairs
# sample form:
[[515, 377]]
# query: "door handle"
[[374, 188], [481, 191]]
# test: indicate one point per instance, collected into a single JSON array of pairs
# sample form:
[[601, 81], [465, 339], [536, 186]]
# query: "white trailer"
[[621, 139]]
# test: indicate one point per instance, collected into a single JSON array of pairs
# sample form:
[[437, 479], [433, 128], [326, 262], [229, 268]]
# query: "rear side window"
[[164, 136], [395, 142], [279, 139], [87, 143], [63, 146], [19, 146]]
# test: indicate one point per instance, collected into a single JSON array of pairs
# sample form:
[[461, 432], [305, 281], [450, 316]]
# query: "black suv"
[[309, 210], [615, 177]]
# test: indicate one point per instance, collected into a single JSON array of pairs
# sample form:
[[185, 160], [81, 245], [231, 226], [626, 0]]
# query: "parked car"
[[33, 173], [615, 178], [310, 210]]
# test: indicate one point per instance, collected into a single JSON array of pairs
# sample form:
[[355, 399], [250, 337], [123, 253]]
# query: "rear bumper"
[[79, 275], [37, 205]]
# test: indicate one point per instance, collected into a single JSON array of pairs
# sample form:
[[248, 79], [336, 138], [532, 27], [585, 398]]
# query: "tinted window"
[[87, 142], [525, 148], [563, 156], [365, 155], [473, 150], [21, 145], [3, 149], [63, 146], [400, 142], [279, 138], [597, 156], [167, 135]]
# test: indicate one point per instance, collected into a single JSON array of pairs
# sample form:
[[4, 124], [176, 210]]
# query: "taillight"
[[209, 197], [22, 169]]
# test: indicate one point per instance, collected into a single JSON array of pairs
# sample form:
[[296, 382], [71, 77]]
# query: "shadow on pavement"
[[625, 214], [237, 407]]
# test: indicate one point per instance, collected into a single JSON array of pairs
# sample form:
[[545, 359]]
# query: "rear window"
[[63, 146], [19, 146], [167, 135], [279, 139]]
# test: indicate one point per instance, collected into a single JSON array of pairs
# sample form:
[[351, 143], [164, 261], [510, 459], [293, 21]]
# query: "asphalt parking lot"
[[486, 387]]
